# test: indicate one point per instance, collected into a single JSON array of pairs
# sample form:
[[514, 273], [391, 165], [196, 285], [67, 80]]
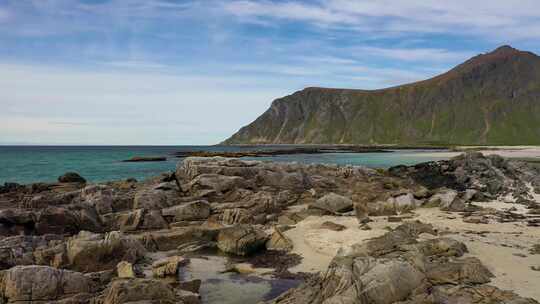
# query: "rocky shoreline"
[[409, 234]]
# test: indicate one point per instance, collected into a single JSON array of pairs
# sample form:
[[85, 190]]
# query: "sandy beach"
[[519, 152], [502, 247]]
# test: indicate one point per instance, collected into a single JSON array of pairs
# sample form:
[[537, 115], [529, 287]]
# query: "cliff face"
[[492, 98]]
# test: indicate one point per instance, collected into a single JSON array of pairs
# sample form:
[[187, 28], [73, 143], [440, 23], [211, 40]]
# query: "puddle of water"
[[232, 288]]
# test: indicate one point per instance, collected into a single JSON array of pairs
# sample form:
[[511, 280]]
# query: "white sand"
[[504, 151], [318, 246], [511, 272], [495, 249]]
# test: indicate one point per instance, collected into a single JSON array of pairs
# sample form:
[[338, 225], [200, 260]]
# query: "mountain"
[[492, 98]]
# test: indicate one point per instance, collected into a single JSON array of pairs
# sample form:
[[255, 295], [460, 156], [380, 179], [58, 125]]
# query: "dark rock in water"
[[71, 177], [145, 159], [11, 187]]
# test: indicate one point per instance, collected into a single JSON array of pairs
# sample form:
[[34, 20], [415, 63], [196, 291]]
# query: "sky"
[[181, 72]]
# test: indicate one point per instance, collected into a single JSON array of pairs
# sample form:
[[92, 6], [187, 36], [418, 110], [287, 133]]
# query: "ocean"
[[30, 164]]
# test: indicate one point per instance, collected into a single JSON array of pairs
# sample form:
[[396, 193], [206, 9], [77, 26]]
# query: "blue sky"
[[193, 72]]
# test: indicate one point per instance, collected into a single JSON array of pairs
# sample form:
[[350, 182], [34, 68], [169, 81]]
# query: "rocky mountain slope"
[[492, 98]]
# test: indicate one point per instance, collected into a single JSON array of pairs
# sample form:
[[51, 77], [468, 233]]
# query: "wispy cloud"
[[414, 54], [475, 17]]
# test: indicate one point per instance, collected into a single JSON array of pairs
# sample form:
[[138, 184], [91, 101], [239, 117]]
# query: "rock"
[[150, 200], [17, 221], [171, 239], [333, 203], [125, 270], [153, 220], [215, 182], [242, 268], [93, 252], [192, 211], [71, 177], [98, 196], [146, 159], [236, 216], [138, 290], [361, 211], [168, 266], [196, 246], [241, 240], [57, 220], [476, 220], [406, 202], [384, 281], [192, 286], [465, 271], [332, 226], [443, 198], [43, 283], [279, 241], [11, 187]]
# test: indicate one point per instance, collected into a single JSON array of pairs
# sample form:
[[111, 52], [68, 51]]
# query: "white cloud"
[[47, 104], [414, 54], [463, 17]]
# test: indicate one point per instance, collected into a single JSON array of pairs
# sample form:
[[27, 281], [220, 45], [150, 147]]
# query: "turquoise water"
[[28, 164]]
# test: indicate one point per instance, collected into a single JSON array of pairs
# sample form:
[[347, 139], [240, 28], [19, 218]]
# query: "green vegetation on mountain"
[[492, 99]]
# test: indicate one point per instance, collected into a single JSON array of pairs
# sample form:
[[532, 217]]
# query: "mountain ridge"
[[492, 98]]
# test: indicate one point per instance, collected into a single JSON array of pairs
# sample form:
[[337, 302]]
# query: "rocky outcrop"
[[476, 176], [129, 241], [333, 204], [399, 268], [139, 290], [30, 284], [241, 240], [93, 252]]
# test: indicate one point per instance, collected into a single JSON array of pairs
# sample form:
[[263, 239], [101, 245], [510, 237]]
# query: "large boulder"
[[333, 203], [90, 252], [215, 182], [43, 284], [150, 200], [168, 266], [192, 211], [241, 240], [100, 197], [170, 239], [141, 291], [279, 241], [57, 220]]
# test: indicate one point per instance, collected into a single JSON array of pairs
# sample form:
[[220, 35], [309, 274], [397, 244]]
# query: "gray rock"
[[71, 177], [43, 283], [333, 203], [150, 200], [193, 211], [138, 290], [241, 240]]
